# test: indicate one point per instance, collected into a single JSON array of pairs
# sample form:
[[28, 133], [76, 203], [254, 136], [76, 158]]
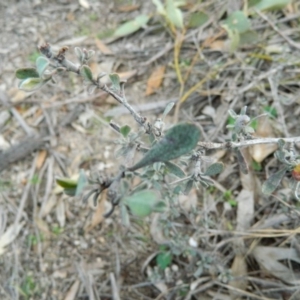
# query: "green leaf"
[[70, 192], [248, 37], [271, 111], [273, 181], [164, 259], [41, 65], [131, 26], [159, 207], [81, 183], [174, 169], [214, 169], [271, 4], [66, 183], [86, 73], [31, 84], [237, 21], [234, 37], [188, 187], [159, 7], [141, 203], [174, 14], [115, 80], [26, 73], [197, 19], [178, 140], [124, 130]]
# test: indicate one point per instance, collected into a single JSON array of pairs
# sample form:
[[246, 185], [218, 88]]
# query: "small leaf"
[[174, 14], [26, 73], [174, 169], [238, 21], [271, 4], [234, 37], [188, 187], [159, 7], [124, 130], [86, 73], [178, 140], [31, 84], [232, 114], [81, 183], [41, 65], [168, 108], [273, 181], [131, 26], [70, 191], [214, 169], [78, 53], [141, 203], [164, 259], [66, 183], [197, 19], [159, 207], [115, 80]]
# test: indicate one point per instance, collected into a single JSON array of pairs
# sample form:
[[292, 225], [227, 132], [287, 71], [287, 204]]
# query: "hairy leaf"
[[26, 73], [115, 80], [125, 130], [214, 169], [178, 140], [41, 65], [86, 73], [273, 181], [141, 203], [174, 169]]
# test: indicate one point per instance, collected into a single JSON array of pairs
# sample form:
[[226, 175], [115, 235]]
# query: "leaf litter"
[[230, 248]]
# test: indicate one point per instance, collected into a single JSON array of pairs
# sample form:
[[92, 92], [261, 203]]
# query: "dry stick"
[[275, 28], [25, 193], [246, 143]]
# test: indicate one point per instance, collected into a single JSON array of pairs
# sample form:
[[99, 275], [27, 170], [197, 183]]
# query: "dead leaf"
[[103, 47], [245, 210], [239, 272], [188, 202], [84, 3], [268, 259], [261, 151], [60, 213], [128, 8], [155, 80], [9, 236], [71, 295], [41, 159], [98, 215]]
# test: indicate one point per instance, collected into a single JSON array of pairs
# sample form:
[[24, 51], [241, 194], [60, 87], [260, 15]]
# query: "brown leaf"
[[155, 80], [261, 151], [71, 295], [98, 215], [103, 47], [41, 159], [128, 8]]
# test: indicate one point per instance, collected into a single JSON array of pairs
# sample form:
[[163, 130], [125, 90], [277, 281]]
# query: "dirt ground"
[[245, 245]]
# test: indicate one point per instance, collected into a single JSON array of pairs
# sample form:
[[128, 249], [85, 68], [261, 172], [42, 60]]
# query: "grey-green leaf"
[[115, 80], [25, 73], [214, 169], [141, 203], [273, 181], [174, 169], [31, 84], [86, 73], [168, 108], [238, 21], [124, 130], [179, 140], [131, 26], [41, 65], [81, 183]]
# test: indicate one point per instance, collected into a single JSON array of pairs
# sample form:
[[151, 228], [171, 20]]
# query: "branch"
[[247, 143]]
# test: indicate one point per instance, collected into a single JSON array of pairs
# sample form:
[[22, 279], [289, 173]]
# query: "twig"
[[60, 60], [275, 28], [247, 143]]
